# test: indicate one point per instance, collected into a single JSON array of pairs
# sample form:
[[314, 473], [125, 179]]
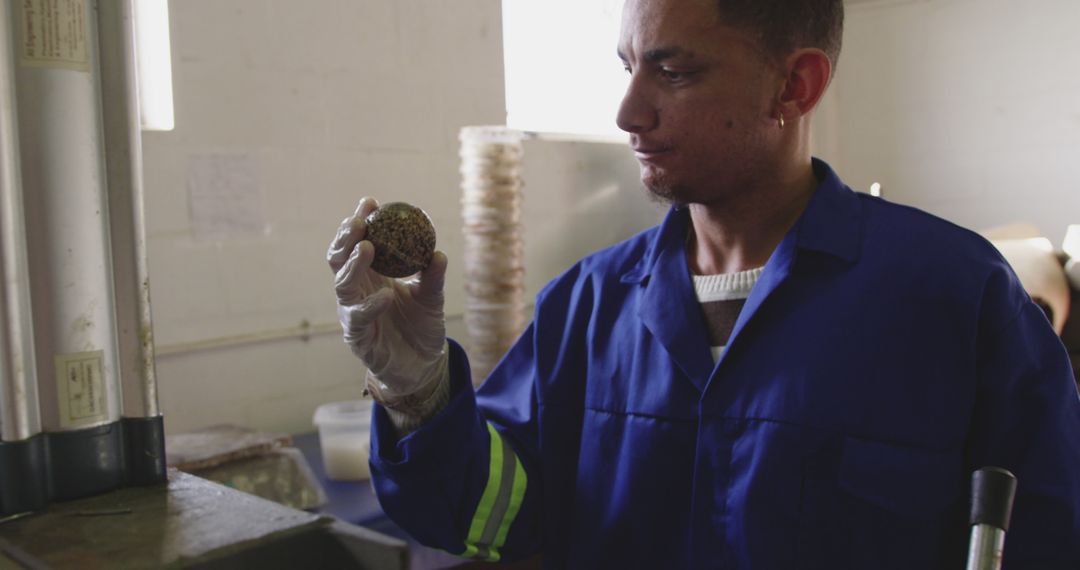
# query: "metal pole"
[[123, 155], [19, 418], [992, 492], [986, 547], [67, 232], [63, 171]]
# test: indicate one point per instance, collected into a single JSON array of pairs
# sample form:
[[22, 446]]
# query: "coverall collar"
[[831, 224]]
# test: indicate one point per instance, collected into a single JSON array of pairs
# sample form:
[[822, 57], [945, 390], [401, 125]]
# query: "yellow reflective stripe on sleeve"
[[483, 510], [499, 503]]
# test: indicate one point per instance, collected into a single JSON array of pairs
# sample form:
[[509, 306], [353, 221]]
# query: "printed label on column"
[[53, 33], [79, 377]]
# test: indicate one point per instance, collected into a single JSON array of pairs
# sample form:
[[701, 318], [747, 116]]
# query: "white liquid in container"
[[344, 434], [345, 456]]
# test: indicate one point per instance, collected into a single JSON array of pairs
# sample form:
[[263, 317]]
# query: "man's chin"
[[667, 194]]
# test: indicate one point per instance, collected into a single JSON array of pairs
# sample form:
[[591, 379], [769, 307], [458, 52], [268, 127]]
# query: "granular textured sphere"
[[404, 239]]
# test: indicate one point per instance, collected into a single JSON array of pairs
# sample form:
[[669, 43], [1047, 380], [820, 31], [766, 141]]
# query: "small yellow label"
[[81, 388], [54, 33]]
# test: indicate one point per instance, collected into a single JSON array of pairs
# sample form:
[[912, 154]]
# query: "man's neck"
[[741, 231]]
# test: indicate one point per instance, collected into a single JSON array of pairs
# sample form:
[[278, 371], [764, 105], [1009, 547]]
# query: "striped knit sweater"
[[722, 297]]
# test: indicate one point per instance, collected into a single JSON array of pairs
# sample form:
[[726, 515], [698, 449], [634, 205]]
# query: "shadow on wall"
[[579, 197]]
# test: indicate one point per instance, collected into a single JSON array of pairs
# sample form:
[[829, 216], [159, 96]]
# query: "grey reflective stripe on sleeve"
[[499, 503]]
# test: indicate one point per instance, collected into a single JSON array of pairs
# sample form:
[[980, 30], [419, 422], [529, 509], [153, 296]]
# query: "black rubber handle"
[[992, 492]]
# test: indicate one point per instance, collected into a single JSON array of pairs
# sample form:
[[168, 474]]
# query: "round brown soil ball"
[[404, 239]]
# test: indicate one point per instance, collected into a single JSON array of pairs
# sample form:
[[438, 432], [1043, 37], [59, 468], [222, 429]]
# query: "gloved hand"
[[395, 326]]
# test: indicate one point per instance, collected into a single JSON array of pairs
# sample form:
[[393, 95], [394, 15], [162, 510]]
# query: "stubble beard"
[[663, 191]]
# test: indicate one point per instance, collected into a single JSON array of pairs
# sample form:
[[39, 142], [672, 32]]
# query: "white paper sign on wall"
[[225, 197]]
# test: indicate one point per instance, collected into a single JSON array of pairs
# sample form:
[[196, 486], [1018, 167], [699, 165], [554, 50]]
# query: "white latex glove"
[[395, 326]]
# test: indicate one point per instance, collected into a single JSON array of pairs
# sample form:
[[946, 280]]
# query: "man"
[[783, 374]]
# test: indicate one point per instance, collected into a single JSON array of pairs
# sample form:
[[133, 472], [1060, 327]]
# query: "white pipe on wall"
[[19, 417], [304, 331]]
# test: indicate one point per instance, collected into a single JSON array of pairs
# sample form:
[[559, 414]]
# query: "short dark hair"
[[783, 26]]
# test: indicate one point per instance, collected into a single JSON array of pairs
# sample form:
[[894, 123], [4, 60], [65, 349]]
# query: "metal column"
[[22, 449], [77, 353], [143, 428], [64, 181]]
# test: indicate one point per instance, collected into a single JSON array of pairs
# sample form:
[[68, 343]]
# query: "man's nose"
[[636, 114]]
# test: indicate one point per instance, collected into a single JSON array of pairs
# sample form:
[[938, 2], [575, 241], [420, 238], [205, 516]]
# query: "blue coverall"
[[882, 357]]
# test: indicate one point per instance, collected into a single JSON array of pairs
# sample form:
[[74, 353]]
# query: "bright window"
[[562, 74], [154, 64]]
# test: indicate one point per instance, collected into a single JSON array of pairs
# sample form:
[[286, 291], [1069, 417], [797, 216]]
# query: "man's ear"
[[808, 74]]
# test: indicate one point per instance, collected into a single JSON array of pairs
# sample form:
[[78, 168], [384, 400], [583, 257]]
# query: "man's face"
[[699, 104]]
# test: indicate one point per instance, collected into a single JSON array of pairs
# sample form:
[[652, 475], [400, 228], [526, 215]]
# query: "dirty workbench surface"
[[190, 520]]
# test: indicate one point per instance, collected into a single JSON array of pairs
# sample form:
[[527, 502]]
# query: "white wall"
[[579, 196], [307, 106], [961, 107], [965, 108]]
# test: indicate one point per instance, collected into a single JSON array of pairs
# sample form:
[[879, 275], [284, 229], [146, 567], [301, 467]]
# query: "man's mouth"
[[650, 152]]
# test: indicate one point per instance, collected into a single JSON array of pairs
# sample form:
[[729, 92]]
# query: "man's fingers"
[[351, 230], [350, 279], [336, 254], [366, 255], [433, 278], [366, 206], [364, 313]]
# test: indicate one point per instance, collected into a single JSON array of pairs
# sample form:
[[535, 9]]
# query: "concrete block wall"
[[307, 106], [965, 108]]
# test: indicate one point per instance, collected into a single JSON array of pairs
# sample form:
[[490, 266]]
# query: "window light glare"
[[154, 64], [571, 85]]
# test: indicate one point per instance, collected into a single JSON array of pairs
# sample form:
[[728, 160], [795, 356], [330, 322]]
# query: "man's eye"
[[673, 76], [626, 68]]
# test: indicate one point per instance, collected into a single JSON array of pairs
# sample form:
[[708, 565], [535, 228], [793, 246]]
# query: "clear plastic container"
[[344, 434]]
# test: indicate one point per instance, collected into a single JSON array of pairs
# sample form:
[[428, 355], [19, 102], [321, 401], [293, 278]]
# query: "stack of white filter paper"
[[494, 268]]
